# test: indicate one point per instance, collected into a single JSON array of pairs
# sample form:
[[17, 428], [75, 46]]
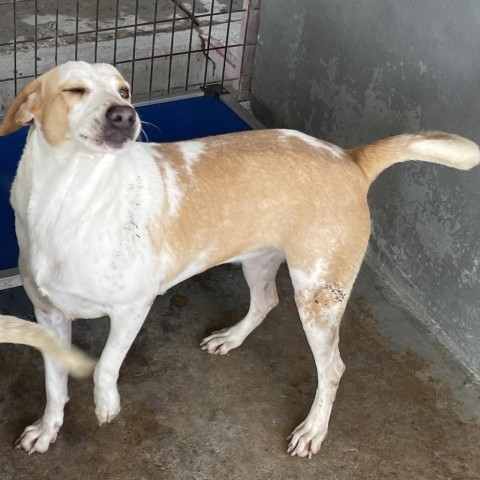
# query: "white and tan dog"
[[105, 225]]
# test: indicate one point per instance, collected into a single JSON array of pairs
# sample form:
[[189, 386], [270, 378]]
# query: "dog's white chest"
[[83, 236]]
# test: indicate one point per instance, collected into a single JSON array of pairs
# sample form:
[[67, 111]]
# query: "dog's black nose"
[[121, 116]]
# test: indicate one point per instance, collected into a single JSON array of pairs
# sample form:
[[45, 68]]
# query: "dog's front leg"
[[125, 322], [39, 436]]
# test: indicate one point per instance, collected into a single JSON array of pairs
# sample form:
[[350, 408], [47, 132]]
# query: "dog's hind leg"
[[260, 273], [321, 297], [39, 436]]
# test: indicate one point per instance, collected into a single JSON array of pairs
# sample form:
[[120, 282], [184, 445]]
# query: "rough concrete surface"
[[189, 415]]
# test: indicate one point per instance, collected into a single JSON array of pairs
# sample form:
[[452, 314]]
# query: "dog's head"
[[88, 104]]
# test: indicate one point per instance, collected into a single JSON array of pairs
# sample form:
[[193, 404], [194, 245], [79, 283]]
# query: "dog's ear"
[[21, 110]]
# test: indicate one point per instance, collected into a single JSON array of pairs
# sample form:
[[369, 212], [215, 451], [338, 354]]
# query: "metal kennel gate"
[[161, 46], [170, 51]]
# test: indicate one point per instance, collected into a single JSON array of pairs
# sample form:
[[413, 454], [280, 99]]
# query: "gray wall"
[[354, 71]]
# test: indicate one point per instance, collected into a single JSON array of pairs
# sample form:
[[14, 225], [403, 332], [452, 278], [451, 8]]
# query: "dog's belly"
[[100, 294]]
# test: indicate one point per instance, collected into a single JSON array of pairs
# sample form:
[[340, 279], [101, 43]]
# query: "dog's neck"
[[85, 181]]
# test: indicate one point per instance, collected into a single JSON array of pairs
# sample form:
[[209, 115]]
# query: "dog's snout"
[[121, 117], [120, 126]]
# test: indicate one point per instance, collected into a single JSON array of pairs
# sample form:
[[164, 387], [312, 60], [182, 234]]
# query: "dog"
[[105, 224], [16, 330]]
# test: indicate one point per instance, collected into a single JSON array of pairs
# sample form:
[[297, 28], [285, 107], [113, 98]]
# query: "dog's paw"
[[107, 404], [306, 440], [221, 342], [38, 437]]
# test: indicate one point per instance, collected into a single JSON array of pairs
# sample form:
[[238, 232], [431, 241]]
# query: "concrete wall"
[[354, 71]]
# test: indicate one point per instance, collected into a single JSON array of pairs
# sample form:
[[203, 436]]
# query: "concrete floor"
[[189, 415]]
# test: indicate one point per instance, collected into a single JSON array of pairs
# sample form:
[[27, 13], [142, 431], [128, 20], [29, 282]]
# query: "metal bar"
[[97, 9], [36, 41], [153, 47], [115, 36], [10, 278], [167, 55], [244, 114], [171, 98], [76, 30], [208, 42], [109, 29], [192, 21], [134, 45], [244, 45], [15, 87], [56, 33], [8, 2], [226, 42], [171, 46], [147, 58]]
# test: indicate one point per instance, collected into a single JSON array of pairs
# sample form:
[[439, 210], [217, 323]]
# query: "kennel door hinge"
[[214, 90]]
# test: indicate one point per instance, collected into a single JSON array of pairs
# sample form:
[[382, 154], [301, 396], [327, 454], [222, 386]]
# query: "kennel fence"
[[188, 64]]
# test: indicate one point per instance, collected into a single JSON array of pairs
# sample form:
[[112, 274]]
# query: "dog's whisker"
[[152, 125], [144, 133]]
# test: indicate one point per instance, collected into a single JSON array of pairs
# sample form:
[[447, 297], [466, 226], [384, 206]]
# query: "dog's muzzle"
[[120, 125]]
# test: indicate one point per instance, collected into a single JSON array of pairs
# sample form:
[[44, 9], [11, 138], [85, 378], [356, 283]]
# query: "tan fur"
[[289, 190], [44, 100], [18, 111]]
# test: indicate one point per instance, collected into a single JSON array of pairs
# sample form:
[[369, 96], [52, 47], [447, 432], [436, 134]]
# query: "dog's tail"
[[435, 147], [15, 330]]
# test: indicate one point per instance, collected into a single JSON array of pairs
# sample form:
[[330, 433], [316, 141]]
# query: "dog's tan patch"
[[223, 213], [53, 112]]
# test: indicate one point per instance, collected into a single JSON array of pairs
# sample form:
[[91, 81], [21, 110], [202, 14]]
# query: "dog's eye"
[[124, 93], [77, 90]]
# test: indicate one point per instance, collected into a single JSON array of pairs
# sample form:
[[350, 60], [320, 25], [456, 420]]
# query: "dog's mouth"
[[115, 139], [118, 126], [107, 141]]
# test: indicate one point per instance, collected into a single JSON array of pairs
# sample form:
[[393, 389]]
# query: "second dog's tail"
[[15, 330], [436, 147]]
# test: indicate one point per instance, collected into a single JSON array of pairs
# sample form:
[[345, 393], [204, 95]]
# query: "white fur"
[[307, 438], [315, 277], [259, 271], [314, 142], [173, 190], [457, 152], [191, 150]]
